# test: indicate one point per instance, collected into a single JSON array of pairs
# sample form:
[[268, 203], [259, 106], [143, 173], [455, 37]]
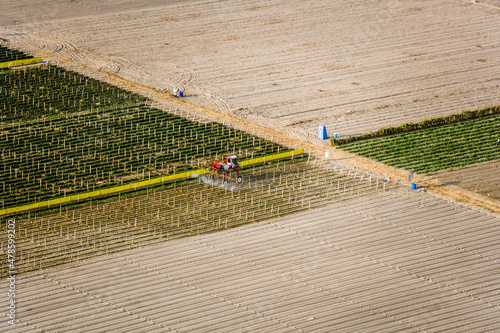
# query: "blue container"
[[322, 133], [181, 93], [413, 186], [335, 135]]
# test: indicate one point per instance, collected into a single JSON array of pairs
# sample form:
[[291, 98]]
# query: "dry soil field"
[[400, 261], [391, 262], [475, 179]]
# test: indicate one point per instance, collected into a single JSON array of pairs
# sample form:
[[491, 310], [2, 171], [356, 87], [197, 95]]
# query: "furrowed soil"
[[289, 65], [398, 261]]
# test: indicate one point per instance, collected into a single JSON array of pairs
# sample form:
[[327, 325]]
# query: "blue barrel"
[[413, 186], [181, 94], [335, 135]]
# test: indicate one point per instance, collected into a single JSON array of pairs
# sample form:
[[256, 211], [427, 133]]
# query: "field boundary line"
[[272, 157], [8, 64], [121, 188]]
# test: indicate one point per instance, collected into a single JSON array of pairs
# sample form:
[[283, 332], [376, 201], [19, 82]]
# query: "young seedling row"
[[71, 233], [437, 148]]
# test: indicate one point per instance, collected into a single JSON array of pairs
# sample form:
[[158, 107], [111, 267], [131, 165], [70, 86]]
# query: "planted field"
[[33, 92], [106, 138], [438, 148], [392, 262], [7, 54], [72, 233]]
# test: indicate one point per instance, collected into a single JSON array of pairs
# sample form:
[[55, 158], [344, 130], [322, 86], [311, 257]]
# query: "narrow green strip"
[[19, 62]]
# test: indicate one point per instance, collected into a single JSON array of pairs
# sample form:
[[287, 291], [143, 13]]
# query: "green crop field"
[[7, 54], [437, 148], [63, 133], [33, 92]]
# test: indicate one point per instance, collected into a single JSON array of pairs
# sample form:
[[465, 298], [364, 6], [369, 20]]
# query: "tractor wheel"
[[239, 179]]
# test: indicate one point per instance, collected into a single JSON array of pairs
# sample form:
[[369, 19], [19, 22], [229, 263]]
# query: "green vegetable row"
[[437, 148], [427, 123]]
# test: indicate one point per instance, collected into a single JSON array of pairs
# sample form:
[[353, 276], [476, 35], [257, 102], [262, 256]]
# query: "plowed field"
[[394, 262]]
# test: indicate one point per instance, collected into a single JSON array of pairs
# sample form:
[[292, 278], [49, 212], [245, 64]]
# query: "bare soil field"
[[399, 261], [483, 179]]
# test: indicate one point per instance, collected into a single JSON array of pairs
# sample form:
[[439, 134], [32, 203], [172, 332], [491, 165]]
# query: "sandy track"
[[397, 262]]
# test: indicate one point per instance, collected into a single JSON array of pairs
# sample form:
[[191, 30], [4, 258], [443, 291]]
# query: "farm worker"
[[498, 142], [327, 154], [176, 91]]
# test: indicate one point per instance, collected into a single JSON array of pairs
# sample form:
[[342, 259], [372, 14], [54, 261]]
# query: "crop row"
[[7, 54], [437, 148], [79, 152], [46, 90], [70, 233]]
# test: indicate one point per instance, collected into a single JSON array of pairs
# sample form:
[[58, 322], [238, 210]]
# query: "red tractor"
[[225, 169]]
